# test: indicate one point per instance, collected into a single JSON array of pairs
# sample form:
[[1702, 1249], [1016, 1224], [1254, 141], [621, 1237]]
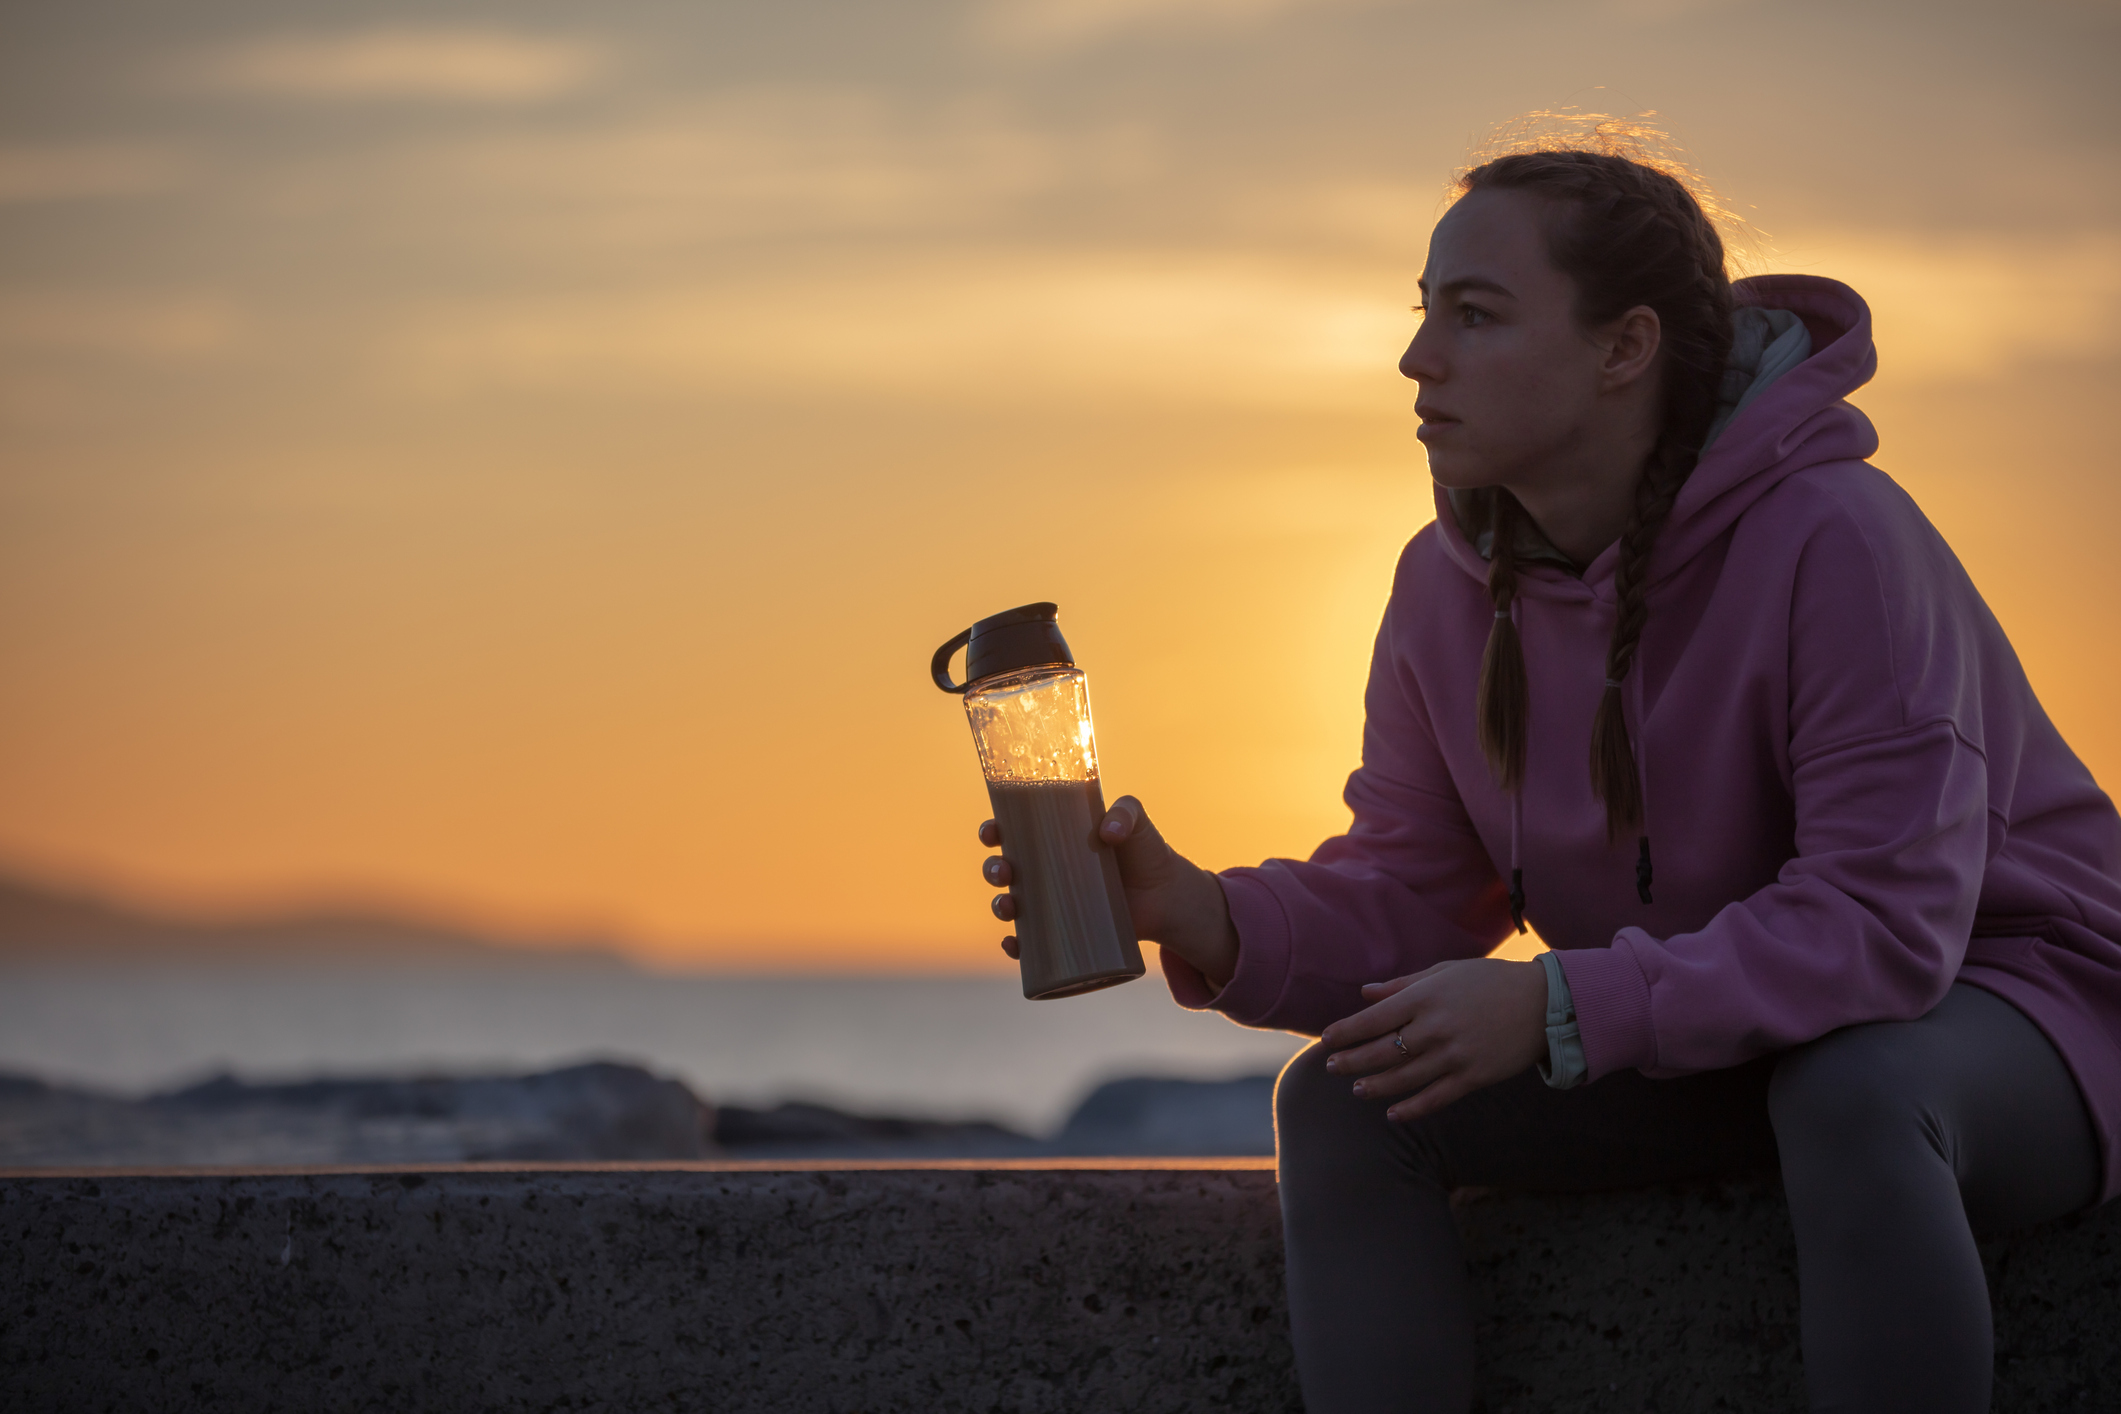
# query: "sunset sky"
[[512, 462]]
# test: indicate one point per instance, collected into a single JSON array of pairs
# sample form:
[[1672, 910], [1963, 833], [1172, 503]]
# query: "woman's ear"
[[1629, 345]]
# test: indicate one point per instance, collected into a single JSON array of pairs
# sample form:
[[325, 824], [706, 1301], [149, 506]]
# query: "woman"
[[1876, 936]]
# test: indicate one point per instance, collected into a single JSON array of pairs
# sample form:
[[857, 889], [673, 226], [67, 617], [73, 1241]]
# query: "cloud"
[[1653, 12], [1065, 24], [455, 65], [1959, 307], [977, 327], [158, 327], [762, 163], [1374, 216], [997, 325], [735, 166], [1075, 24], [86, 171], [1324, 499]]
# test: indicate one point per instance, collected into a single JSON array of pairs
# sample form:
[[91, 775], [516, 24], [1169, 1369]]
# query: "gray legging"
[[1898, 1141]]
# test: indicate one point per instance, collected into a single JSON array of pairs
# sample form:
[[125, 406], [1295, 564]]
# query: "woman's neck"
[[1582, 504]]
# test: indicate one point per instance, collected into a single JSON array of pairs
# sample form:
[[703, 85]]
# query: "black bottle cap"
[[1025, 637]]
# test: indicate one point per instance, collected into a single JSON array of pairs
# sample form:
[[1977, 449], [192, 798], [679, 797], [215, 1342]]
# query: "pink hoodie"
[[1854, 797]]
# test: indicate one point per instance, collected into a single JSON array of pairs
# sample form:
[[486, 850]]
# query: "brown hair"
[[1629, 232]]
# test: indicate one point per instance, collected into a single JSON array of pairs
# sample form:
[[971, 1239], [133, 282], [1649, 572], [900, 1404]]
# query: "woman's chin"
[[1460, 473]]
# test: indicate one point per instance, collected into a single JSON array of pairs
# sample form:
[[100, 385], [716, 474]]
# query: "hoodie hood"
[[1799, 420]]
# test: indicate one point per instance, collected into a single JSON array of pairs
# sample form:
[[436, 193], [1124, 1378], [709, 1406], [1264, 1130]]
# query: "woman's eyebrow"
[[1470, 282]]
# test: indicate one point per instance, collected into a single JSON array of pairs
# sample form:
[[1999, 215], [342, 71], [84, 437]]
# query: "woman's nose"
[[1419, 361]]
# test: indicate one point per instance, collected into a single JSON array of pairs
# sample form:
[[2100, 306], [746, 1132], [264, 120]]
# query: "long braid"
[[1629, 234], [1613, 776], [1504, 705]]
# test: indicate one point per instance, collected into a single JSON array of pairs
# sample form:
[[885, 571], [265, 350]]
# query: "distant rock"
[[1140, 1117], [584, 1112], [598, 1111], [19, 1088], [799, 1130], [1146, 1115]]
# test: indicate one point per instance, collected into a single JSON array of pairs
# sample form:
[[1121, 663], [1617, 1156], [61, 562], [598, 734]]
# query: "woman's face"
[[1512, 387]]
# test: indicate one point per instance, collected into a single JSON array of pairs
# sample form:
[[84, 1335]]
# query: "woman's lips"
[[1434, 425]]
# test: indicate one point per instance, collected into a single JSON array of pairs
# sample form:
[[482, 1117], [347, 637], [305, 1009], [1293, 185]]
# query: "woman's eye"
[[1473, 316]]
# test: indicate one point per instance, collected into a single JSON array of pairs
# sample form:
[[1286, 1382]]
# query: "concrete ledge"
[[1032, 1287]]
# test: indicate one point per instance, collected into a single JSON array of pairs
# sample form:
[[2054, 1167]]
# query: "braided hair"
[[1627, 233], [1504, 703]]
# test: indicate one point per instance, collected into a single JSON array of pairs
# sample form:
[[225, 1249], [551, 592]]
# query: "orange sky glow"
[[512, 463]]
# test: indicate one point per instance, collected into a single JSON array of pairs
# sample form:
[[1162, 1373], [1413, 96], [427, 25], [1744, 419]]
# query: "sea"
[[924, 1047]]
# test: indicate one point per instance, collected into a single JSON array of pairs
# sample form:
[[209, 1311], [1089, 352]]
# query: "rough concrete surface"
[[658, 1290], [952, 1289], [1686, 1299]]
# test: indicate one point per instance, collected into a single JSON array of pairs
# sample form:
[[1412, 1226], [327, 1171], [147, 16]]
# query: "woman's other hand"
[[1466, 1024], [1173, 901]]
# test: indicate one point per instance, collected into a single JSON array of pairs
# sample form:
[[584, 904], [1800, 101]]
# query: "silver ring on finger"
[[1400, 1041]]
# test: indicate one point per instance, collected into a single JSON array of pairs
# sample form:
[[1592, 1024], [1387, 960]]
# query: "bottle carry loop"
[[939, 666]]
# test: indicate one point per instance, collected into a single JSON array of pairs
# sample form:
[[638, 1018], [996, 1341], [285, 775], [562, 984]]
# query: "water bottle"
[[1030, 711]]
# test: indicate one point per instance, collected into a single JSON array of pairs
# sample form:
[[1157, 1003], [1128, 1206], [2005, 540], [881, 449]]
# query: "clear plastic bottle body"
[[1039, 754]]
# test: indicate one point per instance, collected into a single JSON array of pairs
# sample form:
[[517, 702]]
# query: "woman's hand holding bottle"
[[1172, 900]]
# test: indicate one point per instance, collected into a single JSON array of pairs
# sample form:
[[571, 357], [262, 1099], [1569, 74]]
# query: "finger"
[[1455, 1085], [1004, 907], [1144, 857], [990, 834], [996, 871], [1381, 1055], [1407, 1080], [1011, 947], [1380, 1018], [1375, 990]]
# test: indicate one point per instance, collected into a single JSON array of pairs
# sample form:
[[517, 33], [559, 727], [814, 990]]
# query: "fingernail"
[[1359, 1089], [1333, 1064]]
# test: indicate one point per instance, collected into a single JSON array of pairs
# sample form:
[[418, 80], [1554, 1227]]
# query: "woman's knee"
[[1307, 1094], [1847, 1091], [1318, 1112], [1328, 1141]]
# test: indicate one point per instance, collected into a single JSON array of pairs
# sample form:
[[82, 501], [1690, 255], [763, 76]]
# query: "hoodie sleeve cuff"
[[1563, 1068], [1262, 956], [1612, 1009], [1189, 988]]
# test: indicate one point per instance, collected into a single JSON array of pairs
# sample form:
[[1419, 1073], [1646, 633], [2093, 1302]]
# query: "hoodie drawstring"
[[1643, 871], [1516, 862], [1516, 811]]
